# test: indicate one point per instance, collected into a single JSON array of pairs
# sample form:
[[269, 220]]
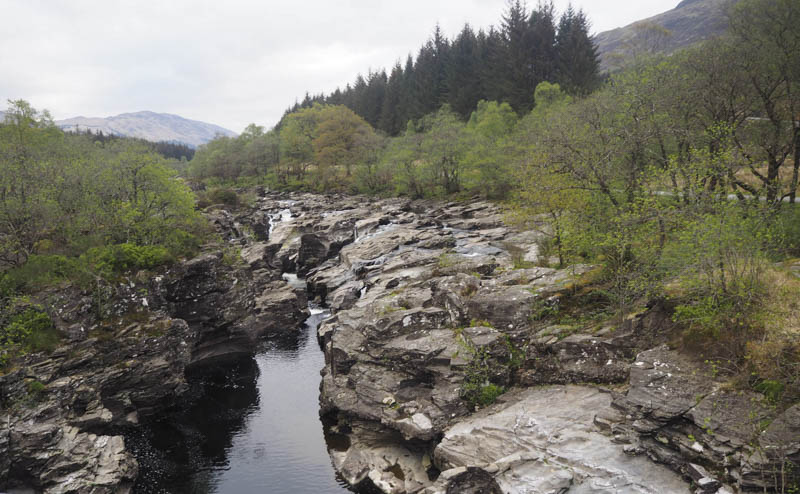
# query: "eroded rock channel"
[[430, 310]]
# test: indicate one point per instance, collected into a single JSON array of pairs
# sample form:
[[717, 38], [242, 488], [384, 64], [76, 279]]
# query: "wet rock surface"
[[433, 307]]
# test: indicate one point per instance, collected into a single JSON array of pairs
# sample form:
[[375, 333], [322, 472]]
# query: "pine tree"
[[493, 69], [578, 64], [462, 73], [408, 105], [517, 80], [542, 42], [373, 97], [429, 74], [335, 98], [359, 96], [390, 121]]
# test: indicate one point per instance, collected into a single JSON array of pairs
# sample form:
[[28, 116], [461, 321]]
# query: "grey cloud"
[[228, 63]]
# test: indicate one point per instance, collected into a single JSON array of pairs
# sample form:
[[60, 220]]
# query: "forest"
[[677, 175]]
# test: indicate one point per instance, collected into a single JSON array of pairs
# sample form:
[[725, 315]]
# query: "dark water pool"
[[255, 429]]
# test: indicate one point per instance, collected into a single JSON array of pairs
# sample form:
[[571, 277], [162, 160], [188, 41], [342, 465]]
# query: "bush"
[[184, 244], [39, 272], [787, 224], [117, 259], [773, 357], [44, 271], [773, 390], [218, 195], [30, 330], [722, 265], [36, 388], [477, 389]]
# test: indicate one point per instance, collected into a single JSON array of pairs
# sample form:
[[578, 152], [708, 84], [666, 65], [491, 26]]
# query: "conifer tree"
[[517, 81], [577, 59], [390, 121], [373, 97], [429, 73], [493, 66], [463, 83], [542, 42], [408, 103]]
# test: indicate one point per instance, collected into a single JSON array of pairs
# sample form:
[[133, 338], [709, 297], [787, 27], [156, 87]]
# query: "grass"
[[35, 388], [447, 260], [232, 255], [773, 351], [755, 345]]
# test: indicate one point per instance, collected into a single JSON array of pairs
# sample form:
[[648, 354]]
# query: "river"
[[254, 429]]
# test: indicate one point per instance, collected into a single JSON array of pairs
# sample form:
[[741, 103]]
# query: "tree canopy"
[[65, 193]]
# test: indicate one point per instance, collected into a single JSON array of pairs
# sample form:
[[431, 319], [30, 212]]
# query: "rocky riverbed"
[[436, 310]]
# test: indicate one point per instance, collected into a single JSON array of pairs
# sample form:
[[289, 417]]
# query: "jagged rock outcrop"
[[679, 412], [231, 308], [62, 413]]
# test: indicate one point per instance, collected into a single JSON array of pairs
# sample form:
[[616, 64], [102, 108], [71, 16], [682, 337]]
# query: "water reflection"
[[254, 428]]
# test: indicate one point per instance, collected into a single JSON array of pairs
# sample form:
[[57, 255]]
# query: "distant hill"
[[691, 21], [150, 126]]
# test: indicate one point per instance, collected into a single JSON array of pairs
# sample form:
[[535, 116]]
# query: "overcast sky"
[[226, 62]]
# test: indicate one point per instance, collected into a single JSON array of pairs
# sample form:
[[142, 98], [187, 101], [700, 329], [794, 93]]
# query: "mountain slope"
[[691, 21], [151, 126]]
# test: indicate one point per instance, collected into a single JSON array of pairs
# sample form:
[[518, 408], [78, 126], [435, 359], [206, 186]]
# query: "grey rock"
[[543, 440]]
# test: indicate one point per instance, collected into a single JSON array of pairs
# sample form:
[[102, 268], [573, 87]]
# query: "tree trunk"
[[796, 167]]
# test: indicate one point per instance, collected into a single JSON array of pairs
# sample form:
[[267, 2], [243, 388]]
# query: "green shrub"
[[30, 330], [720, 264], [787, 225], [232, 255], [35, 388], [476, 389], [39, 272], [772, 390], [183, 244], [218, 195], [117, 259], [516, 355], [489, 393], [725, 316], [541, 309]]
